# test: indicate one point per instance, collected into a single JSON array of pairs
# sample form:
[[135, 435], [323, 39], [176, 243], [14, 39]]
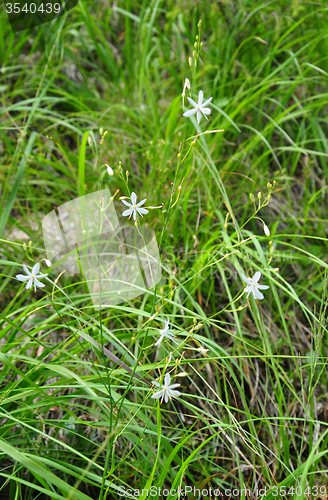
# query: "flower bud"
[[110, 171], [90, 141], [199, 23], [252, 197], [259, 195], [266, 230], [48, 262], [101, 131], [190, 61], [195, 45], [187, 83], [194, 53], [269, 185]]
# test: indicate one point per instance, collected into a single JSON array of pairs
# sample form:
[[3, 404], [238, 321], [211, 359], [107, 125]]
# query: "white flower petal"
[[167, 379], [134, 214], [39, 276], [206, 111], [36, 269], [141, 202], [166, 396], [128, 213], [256, 277], [142, 211], [29, 283], [199, 116], [159, 340], [133, 198], [157, 395], [190, 112], [200, 97], [244, 278], [262, 287], [258, 295], [127, 203], [26, 270], [38, 283], [207, 102], [174, 394], [192, 102], [22, 277], [173, 386]]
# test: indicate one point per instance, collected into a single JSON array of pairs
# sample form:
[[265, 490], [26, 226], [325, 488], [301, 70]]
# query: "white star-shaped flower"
[[165, 334], [253, 286], [32, 277], [134, 207], [199, 108], [166, 392]]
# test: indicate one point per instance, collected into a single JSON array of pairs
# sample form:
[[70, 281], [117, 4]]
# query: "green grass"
[[253, 409]]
